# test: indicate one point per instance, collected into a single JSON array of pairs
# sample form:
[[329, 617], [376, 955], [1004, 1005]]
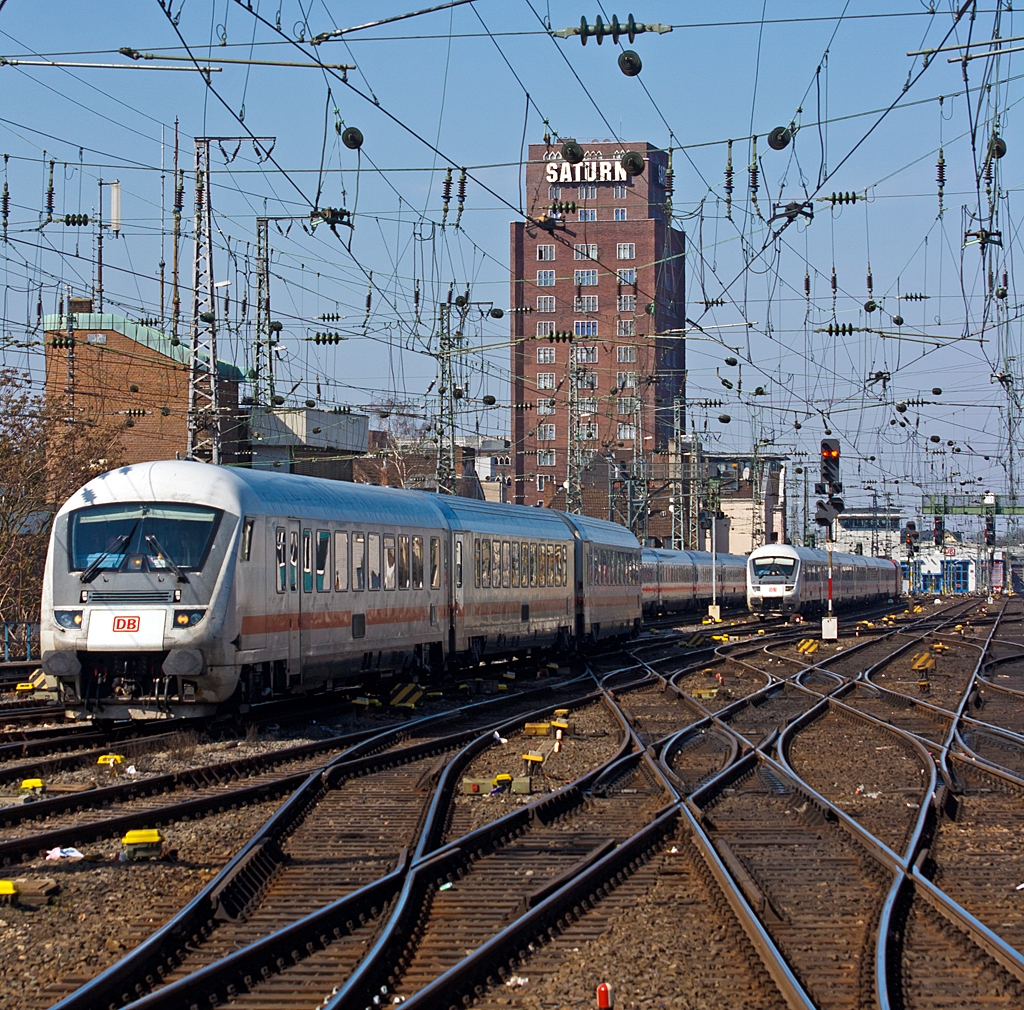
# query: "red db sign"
[[130, 624]]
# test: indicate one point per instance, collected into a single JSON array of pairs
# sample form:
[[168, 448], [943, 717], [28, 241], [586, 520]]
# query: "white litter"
[[59, 853], [499, 738], [131, 770], [1019, 887], [514, 980]]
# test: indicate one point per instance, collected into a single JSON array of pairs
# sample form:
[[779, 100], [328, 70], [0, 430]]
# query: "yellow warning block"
[[537, 729], [561, 713], [807, 646], [110, 760], [940, 647], [32, 785], [918, 609], [923, 661], [532, 758], [704, 693], [720, 638]]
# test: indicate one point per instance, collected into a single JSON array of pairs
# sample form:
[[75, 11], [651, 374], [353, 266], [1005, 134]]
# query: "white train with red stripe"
[[682, 580], [179, 588], [782, 579]]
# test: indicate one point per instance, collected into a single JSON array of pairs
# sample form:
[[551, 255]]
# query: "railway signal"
[[830, 464]]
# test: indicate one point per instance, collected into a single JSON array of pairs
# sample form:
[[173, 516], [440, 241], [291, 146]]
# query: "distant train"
[[180, 588], [788, 580], [673, 581]]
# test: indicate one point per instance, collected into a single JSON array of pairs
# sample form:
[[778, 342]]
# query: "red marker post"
[[605, 996]]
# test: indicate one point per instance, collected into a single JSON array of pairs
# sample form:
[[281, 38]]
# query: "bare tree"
[[45, 456]]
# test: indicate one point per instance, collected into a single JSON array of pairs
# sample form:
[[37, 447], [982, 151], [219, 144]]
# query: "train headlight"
[[68, 618], [188, 618]]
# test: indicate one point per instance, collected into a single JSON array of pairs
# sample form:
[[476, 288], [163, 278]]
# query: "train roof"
[[242, 491], [693, 557], [812, 554]]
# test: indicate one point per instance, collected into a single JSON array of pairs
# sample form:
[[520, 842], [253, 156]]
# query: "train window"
[[496, 564], [458, 564], [485, 564], [373, 560], [476, 563], [389, 562], [403, 563], [282, 559], [307, 561], [340, 561], [506, 564], [514, 565], [293, 560], [524, 565], [358, 561], [247, 529], [435, 563], [533, 564], [565, 565], [323, 549], [559, 567], [417, 562], [549, 554]]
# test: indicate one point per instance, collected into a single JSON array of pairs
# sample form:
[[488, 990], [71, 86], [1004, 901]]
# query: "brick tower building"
[[598, 299]]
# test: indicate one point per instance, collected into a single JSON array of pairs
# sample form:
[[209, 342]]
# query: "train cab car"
[[180, 588], [682, 580], [782, 579]]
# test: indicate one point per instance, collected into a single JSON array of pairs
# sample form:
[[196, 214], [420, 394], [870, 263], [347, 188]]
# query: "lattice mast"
[[203, 398], [263, 362]]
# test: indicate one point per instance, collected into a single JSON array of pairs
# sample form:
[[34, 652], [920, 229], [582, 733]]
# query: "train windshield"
[[142, 537], [774, 569]]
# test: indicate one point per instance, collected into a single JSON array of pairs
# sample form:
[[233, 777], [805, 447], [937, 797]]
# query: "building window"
[[542, 481], [585, 328], [626, 380], [546, 406], [584, 251], [545, 355], [624, 328], [546, 303], [581, 278], [587, 405], [545, 328], [546, 380], [545, 433], [586, 355], [624, 250], [627, 404], [586, 380], [586, 432], [626, 303], [626, 432], [627, 276], [619, 191], [588, 214], [546, 278], [545, 252], [545, 457], [555, 192], [588, 193], [619, 214], [585, 303], [625, 354]]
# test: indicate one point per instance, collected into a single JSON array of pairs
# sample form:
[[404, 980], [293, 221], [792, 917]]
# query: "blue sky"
[[438, 91]]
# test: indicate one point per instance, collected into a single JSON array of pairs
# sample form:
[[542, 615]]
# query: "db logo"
[[126, 624]]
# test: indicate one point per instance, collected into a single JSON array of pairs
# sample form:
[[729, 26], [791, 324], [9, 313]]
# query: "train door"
[[294, 602], [461, 562]]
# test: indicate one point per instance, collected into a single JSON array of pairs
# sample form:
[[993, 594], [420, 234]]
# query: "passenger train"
[[177, 588], [180, 588], [782, 579], [682, 580]]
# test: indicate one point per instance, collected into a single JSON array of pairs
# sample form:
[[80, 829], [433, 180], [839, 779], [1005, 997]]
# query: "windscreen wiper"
[[115, 545], [155, 544]]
